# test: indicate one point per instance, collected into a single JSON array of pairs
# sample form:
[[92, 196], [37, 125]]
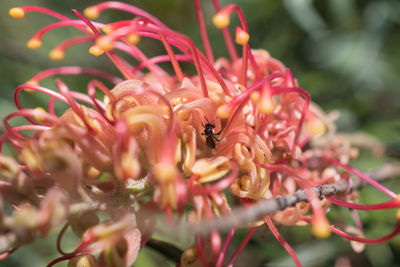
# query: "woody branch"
[[241, 216]]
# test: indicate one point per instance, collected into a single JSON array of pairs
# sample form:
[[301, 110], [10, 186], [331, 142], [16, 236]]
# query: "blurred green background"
[[344, 52]]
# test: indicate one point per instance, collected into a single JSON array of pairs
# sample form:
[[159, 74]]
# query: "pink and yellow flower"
[[141, 148]]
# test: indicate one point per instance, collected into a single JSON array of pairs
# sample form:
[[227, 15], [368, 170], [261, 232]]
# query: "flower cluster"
[[165, 143]]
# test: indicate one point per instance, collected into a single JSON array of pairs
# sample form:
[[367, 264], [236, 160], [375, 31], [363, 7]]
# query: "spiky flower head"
[[240, 129]]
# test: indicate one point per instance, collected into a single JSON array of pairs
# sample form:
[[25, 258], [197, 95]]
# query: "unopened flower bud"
[[81, 223], [24, 185], [189, 257], [82, 261], [90, 173], [164, 172], [32, 160], [8, 168], [26, 218], [315, 126], [115, 255], [267, 105], [53, 209], [211, 169], [108, 233], [8, 241]]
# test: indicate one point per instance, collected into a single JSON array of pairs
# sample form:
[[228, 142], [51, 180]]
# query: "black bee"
[[209, 133]]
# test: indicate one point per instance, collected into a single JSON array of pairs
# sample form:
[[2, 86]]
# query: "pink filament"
[[92, 94], [74, 70], [135, 52], [245, 50], [197, 56], [4, 255], [199, 247], [318, 212], [24, 113], [113, 57], [162, 58], [64, 90], [59, 249], [64, 23], [60, 259], [242, 245], [22, 128], [35, 88], [385, 238], [225, 247], [363, 177], [303, 112], [74, 41], [227, 36], [128, 8], [173, 60], [44, 10], [203, 32], [175, 39], [283, 242], [394, 203]]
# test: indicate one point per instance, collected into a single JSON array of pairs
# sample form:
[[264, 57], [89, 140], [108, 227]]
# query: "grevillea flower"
[[156, 142]]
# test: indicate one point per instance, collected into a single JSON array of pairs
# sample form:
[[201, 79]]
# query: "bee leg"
[[216, 139], [218, 133]]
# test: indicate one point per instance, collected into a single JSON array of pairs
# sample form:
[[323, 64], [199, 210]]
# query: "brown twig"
[[242, 216]]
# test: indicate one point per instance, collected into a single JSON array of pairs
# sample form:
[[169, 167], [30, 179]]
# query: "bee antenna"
[[206, 119]]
